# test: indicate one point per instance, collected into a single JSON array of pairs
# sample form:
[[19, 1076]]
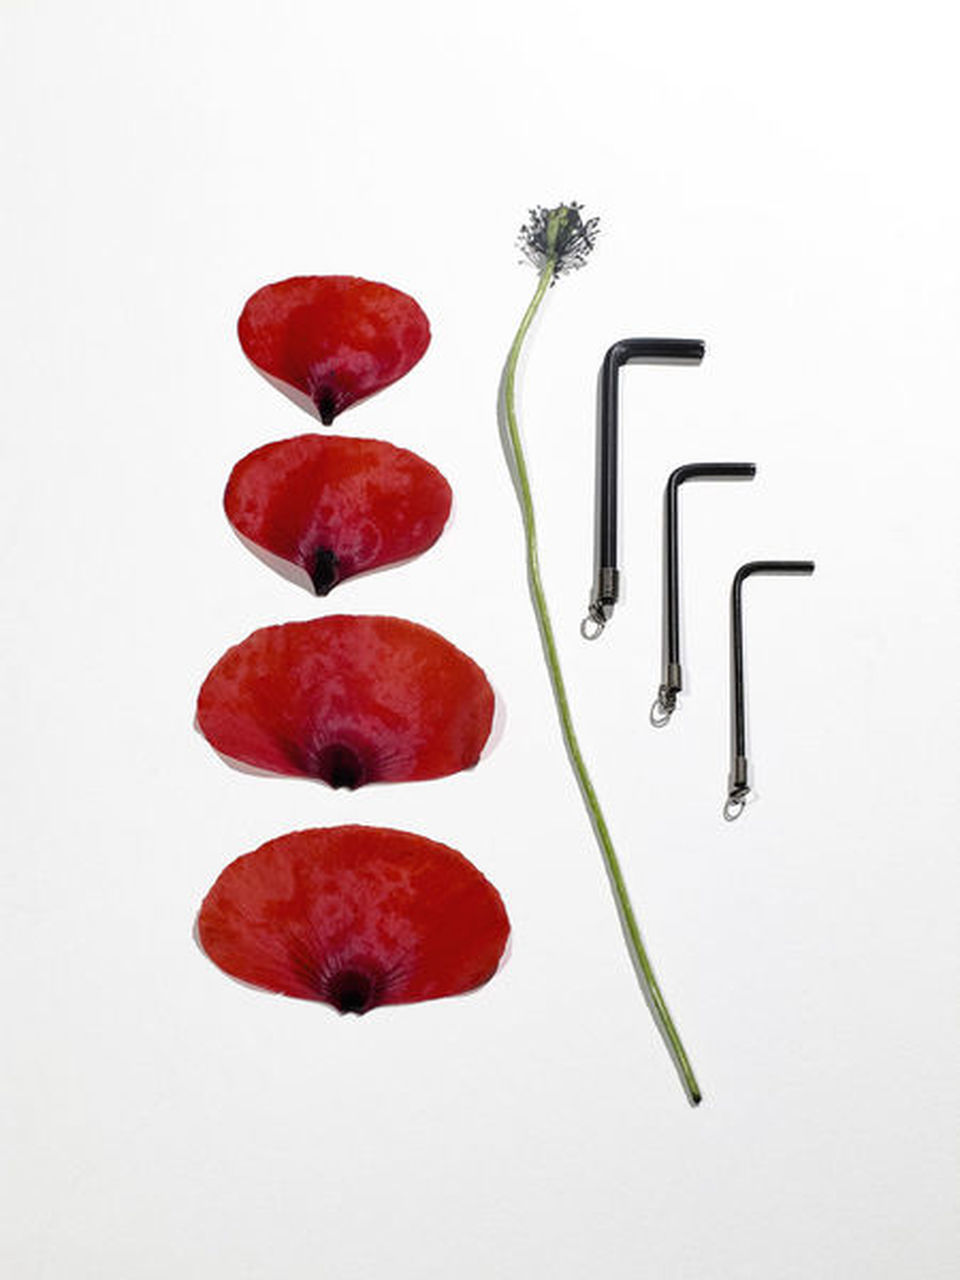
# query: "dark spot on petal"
[[326, 404], [326, 571], [340, 766], [352, 991]]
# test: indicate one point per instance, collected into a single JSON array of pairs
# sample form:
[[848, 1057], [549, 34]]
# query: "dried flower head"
[[559, 237]]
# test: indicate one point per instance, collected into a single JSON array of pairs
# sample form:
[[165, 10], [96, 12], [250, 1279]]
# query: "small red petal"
[[355, 917], [348, 700], [336, 507], [336, 339]]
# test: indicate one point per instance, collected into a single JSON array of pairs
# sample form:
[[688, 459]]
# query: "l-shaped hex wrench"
[[739, 785], [606, 587], [671, 679]]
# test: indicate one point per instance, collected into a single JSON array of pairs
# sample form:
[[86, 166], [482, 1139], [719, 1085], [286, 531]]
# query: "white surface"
[[780, 182]]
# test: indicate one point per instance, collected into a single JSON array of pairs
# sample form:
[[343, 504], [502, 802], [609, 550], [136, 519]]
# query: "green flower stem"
[[642, 963]]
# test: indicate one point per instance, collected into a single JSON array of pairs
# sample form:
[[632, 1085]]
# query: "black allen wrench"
[[739, 784], [671, 679], [606, 587]]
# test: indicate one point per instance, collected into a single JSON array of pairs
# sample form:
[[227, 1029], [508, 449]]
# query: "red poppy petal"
[[348, 700], [335, 506], [355, 917], [336, 339]]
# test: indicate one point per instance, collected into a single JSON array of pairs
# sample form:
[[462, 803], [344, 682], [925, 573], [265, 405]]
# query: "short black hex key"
[[606, 587], [738, 787], [671, 681]]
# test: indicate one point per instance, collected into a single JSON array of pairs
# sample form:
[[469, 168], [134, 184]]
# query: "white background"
[[778, 180]]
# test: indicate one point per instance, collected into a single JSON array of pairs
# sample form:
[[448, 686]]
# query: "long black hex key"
[[671, 679], [739, 784], [606, 587]]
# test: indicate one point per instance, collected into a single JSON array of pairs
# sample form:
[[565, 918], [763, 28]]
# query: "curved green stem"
[[641, 961]]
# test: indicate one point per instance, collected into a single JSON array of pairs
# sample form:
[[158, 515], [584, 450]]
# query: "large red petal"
[[349, 700], [336, 507], [336, 339], [355, 917]]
